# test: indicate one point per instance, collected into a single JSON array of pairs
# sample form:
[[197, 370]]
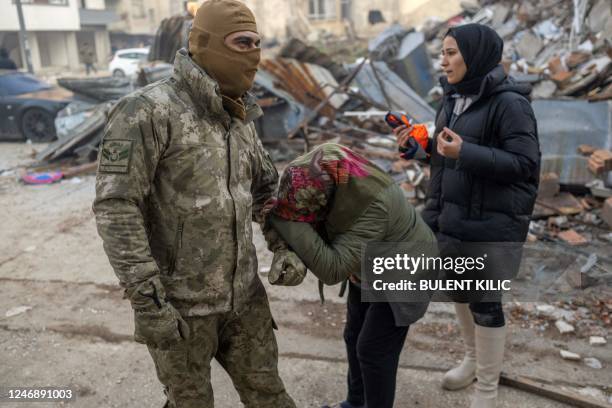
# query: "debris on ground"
[[568, 355], [311, 94], [593, 363], [15, 311], [597, 341]]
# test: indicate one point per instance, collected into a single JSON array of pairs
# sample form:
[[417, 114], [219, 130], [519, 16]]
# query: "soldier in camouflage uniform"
[[181, 176]]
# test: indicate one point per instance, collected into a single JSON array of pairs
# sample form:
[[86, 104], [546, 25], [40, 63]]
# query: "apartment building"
[[56, 30], [139, 19]]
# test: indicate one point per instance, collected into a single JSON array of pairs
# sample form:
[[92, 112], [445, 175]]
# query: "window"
[[345, 9], [322, 9], [138, 9]]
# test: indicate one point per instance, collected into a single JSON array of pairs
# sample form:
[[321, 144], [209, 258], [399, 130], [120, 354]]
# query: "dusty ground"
[[78, 330]]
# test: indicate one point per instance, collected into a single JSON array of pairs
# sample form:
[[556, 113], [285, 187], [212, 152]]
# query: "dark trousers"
[[488, 314], [373, 346], [90, 67]]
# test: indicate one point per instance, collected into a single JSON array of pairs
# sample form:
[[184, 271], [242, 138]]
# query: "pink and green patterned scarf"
[[332, 184]]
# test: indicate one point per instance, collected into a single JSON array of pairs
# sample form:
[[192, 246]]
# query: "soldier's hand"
[[156, 322], [287, 269], [162, 328]]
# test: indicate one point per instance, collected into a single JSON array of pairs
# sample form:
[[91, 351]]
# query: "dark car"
[[28, 107]]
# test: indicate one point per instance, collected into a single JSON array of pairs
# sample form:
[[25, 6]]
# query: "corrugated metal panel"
[[281, 113], [401, 96], [306, 83], [563, 125]]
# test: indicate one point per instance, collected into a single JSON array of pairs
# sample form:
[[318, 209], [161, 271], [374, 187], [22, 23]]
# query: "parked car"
[[28, 107], [127, 61]]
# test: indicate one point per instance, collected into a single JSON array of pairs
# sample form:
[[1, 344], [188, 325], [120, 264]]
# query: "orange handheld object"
[[396, 119], [420, 134]]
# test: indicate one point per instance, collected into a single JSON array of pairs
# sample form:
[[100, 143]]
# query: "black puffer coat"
[[488, 194]]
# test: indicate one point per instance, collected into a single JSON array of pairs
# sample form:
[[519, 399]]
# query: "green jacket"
[[178, 185], [388, 219]]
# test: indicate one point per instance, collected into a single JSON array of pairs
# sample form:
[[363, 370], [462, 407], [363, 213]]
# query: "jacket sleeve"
[[263, 187], [334, 262], [127, 161], [516, 158], [265, 178]]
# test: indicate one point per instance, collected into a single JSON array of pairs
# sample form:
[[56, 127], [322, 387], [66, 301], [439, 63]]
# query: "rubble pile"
[[309, 97], [563, 48]]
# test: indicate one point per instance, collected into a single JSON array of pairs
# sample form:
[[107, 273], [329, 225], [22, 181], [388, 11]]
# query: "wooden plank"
[[550, 392]]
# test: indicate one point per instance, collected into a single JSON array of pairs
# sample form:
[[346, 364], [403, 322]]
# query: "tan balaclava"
[[233, 70]]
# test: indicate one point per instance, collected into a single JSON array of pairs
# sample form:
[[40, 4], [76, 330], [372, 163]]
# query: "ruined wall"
[[276, 17]]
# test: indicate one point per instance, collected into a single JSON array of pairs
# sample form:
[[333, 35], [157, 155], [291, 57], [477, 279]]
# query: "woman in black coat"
[[485, 161]]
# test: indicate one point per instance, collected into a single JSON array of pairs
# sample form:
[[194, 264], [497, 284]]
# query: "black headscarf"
[[481, 48]]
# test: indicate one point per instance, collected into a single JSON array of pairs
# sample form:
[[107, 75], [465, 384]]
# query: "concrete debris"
[[17, 311], [597, 341], [549, 185], [540, 40], [572, 237], [606, 212], [600, 161], [593, 363], [299, 50], [545, 89], [529, 45], [592, 392], [564, 327], [568, 355]]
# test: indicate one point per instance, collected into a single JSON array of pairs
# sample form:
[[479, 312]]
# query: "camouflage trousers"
[[245, 346]]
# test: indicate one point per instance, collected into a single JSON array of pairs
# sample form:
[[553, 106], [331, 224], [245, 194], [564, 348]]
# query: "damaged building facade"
[[56, 30], [280, 19]]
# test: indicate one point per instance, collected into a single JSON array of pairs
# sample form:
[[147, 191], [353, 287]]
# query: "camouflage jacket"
[[177, 186]]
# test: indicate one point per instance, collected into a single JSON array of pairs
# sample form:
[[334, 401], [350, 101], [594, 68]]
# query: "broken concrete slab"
[[606, 212], [572, 237], [599, 16], [568, 355], [563, 204], [563, 327], [586, 150], [544, 90], [549, 185], [597, 341], [17, 311], [600, 161], [593, 363], [500, 14], [529, 45]]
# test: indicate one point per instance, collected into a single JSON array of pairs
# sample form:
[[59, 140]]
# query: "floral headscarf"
[[331, 183]]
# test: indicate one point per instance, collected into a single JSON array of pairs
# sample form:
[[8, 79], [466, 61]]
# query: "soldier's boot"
[[465, 373], [490, 346]]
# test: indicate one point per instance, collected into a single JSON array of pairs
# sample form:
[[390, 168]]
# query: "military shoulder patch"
[[115, 156]]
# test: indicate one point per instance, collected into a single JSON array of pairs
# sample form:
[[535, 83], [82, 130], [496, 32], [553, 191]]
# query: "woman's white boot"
[[465, 373], [490, 345]]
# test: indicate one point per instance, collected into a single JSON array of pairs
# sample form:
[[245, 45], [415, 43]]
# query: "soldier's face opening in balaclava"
[[225, 43]]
